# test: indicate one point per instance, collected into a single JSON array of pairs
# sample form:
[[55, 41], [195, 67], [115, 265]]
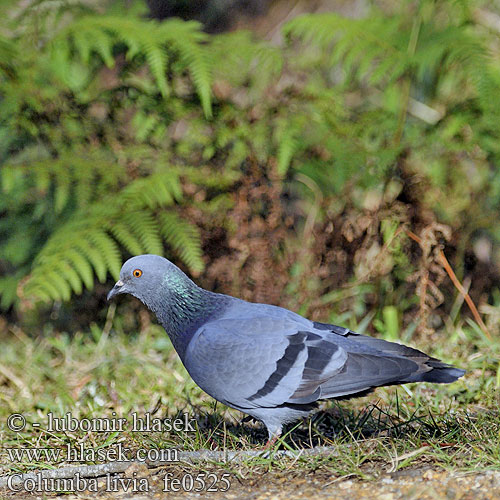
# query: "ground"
[[411, 484], [413, 441]]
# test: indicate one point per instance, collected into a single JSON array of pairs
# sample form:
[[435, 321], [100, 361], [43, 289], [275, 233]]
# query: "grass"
[[96, 374]]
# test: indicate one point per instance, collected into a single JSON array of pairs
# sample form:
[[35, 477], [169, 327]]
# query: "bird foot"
[[270, 443]]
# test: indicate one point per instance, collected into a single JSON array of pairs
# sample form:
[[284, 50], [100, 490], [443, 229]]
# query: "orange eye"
[[137, 273]]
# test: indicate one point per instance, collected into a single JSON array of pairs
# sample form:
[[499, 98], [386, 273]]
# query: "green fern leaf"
[[52, 277], [127, 238], [188, 40], [157, 59], [62, 191], [184, 238], [81, 265], [145, 227], [288, 145], [42, 290], [108, 251], [157, 190], [94, 257], [67, 271], [102, 44]]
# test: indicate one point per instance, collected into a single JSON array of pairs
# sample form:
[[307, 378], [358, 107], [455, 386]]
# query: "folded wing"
[[267, 362]]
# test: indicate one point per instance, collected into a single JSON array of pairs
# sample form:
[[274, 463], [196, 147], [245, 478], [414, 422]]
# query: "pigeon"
[[264, 360]]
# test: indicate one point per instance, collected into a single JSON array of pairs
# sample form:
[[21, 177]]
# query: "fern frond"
[[155, 41], [288, 145], [55, 281], [360, 44], [121, 232], [190, 42], [69, 179], [44, 290], [82, 44], [377, 47], [62, 190], [144, 226], [90, 240], [184, 238], [102, 43], [94, 257], [65, 269], [81, 265], [156, 190], [248, 59], [108, 250], [157, 59]]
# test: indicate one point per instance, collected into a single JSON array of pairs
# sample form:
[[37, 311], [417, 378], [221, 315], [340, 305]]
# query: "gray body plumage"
[[264, 360]]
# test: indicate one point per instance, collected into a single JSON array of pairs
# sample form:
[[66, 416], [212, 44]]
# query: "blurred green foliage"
[[114, 128]]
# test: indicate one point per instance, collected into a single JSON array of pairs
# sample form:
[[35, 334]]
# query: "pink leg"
[[270, 442]]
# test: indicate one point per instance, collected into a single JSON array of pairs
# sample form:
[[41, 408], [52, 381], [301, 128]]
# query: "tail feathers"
[[356, 378], [429, 369], [440, 373]]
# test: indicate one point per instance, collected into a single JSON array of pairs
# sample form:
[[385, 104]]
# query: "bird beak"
[[115, 290]]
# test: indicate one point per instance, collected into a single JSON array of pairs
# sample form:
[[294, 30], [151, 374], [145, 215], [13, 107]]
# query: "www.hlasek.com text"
[[81, 453]]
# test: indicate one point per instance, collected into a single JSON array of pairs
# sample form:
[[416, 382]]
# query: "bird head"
[[143, 277]]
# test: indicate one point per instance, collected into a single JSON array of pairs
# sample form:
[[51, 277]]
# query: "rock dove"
[[264, 360]]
